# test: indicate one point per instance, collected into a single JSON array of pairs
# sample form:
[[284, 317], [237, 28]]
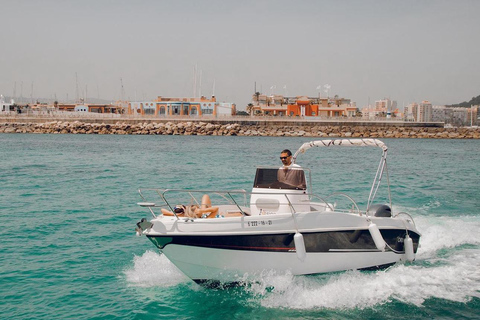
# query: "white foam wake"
[[446, 267], [154, 270], [457, 281], [446, 233]]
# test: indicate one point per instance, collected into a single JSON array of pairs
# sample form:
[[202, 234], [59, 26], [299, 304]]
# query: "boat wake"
[[446, 268], [154, 270], [458, 281], [441, 234]]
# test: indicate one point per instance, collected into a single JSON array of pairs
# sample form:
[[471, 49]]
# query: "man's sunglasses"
[[283, 158]]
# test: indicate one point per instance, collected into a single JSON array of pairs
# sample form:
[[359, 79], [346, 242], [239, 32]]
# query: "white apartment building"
[[455, 115], [460, 116], [442, 114], [424, 112], [411, 111], [5, 106], [226, 108]]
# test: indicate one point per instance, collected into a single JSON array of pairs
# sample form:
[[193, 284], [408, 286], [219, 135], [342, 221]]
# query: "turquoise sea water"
[[68, 249]]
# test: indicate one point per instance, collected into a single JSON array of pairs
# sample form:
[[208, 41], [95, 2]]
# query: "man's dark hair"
[[287, 152]]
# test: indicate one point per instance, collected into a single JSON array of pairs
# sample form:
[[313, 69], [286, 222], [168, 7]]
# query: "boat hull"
[[210, 264], [205, 255]]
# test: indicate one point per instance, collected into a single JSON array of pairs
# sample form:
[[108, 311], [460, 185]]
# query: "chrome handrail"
[[407, 214], [324, 201], [228, 196], [349, 198]]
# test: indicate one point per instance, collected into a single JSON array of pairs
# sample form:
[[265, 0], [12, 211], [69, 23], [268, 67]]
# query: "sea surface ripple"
[[69, 250]]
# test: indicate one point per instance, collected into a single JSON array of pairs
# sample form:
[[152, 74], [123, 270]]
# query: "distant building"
[[86, 107], [465, 116], [442, 114], [301, 106], [424, 112], [164, 106], [4, 106], [386, 105], [475, 115], [410, 112], [384, 108], [81, 108], [460, 116], [226, 108], [456, 116]]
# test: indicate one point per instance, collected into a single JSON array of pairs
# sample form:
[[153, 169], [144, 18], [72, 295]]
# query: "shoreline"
[[280, 129]]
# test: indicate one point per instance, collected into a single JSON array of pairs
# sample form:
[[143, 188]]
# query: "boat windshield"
[[292, 178]]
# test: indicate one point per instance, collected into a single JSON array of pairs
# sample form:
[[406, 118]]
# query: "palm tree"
[[250, 108]]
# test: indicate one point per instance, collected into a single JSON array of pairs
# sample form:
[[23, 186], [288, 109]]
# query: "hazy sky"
[[365, 50]]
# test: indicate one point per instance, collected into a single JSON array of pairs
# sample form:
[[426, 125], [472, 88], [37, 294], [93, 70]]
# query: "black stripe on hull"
[[334, 241]]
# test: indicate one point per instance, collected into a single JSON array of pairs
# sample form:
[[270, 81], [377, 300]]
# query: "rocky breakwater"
[[235, 129]]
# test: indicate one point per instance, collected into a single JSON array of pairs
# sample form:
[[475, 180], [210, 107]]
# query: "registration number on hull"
[[259, 223]]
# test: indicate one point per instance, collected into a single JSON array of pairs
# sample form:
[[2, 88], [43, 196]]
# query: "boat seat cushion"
[[266, 203]]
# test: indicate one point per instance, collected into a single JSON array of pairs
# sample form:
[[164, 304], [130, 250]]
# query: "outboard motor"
[[380, 210]]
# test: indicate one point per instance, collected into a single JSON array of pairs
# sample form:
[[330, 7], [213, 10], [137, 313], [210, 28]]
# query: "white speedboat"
[[277, 226]]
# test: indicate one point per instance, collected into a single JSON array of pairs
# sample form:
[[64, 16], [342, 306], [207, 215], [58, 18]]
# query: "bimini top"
[[341, 142]]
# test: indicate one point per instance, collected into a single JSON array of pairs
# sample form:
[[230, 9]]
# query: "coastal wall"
[[276, 129], [242, 120]]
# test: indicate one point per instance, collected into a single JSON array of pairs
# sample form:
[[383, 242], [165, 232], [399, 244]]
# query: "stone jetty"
[[239, 129]]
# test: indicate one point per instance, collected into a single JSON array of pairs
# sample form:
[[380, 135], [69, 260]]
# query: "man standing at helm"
[[291, 173]]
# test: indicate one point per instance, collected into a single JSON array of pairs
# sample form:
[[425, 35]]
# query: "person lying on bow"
[[205, 210]]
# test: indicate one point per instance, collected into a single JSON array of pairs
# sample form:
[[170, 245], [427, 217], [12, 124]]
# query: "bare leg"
[[212, 212], [206, 202]]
